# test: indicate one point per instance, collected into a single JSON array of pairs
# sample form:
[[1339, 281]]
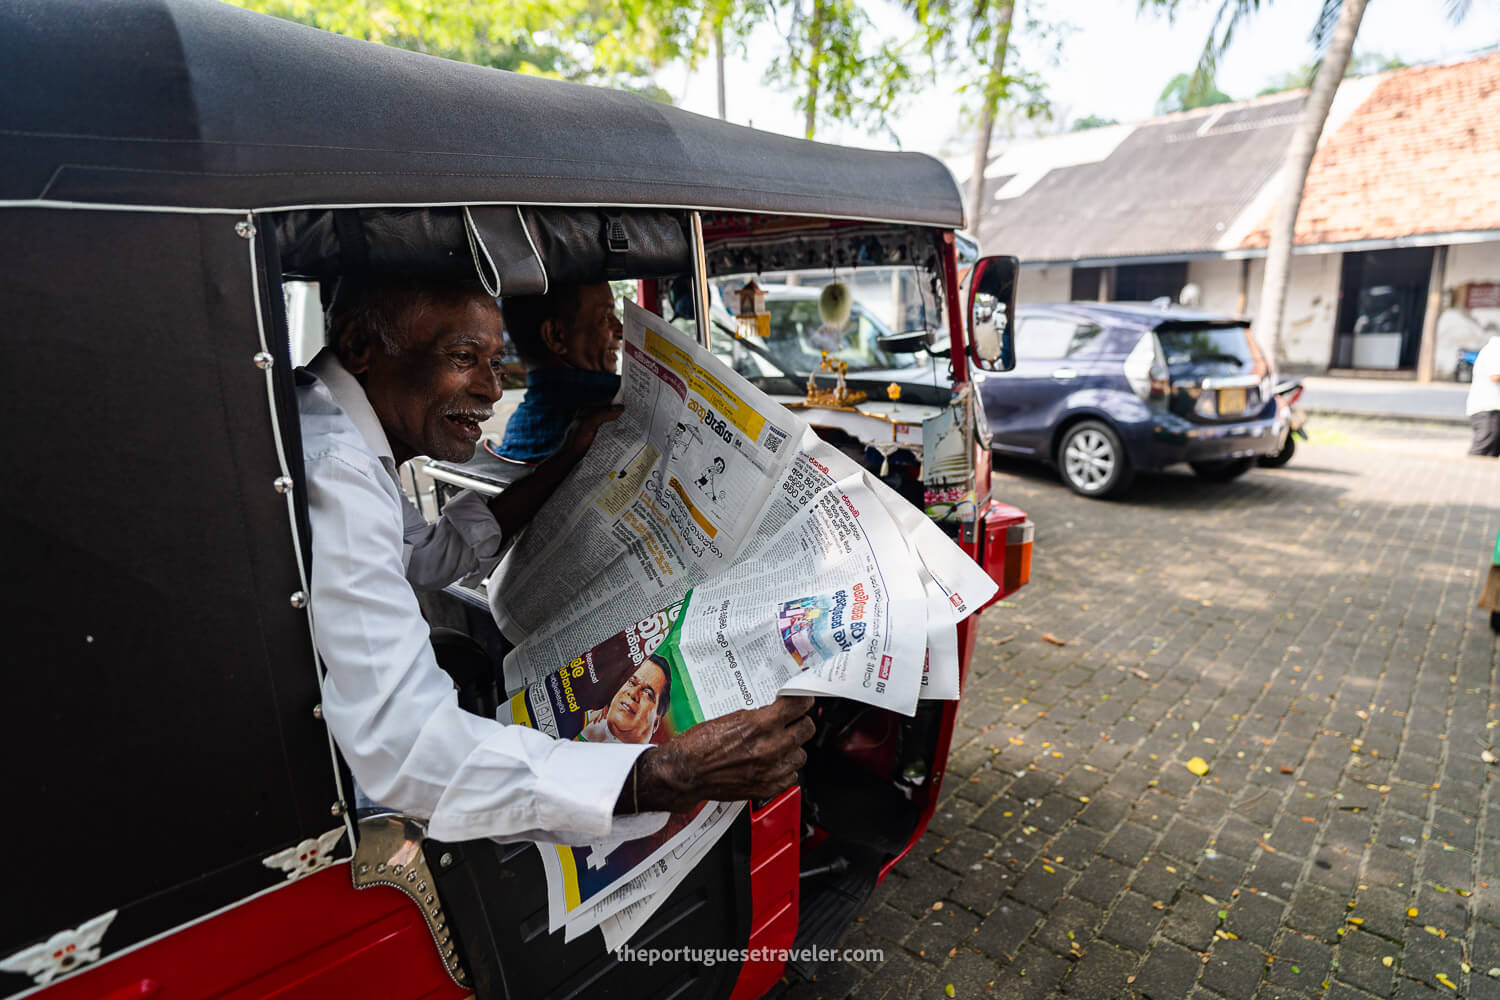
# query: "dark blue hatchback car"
[[1104, 390]]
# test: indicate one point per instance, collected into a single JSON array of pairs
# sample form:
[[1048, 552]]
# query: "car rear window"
[[1195, 345]]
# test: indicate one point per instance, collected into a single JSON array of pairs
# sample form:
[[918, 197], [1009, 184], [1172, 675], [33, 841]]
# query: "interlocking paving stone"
[[1103, 971], [1300, 963], [1255, 917], [1317, 623], [1002, 932], [1133, 922], [1168, 973], [1234, 969]]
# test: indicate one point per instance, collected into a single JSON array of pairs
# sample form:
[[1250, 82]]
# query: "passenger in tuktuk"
[[569, 340], [413, 368]]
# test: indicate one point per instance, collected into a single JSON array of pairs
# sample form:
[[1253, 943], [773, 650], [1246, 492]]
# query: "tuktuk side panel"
[[159, 722]]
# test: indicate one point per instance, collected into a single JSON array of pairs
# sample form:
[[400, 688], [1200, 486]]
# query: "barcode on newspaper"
[[773, 440]]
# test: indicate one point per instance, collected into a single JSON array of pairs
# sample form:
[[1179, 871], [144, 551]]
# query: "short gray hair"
[[383, 309]]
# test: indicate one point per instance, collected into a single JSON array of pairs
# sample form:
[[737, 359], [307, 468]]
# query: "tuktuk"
[[172, 168]]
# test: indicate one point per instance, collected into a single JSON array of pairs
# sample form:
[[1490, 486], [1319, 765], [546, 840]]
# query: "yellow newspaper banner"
[[728, 406], [669, 354], [725, 405]]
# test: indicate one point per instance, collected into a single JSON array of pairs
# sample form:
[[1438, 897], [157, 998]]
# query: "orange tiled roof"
[[1420, 155]]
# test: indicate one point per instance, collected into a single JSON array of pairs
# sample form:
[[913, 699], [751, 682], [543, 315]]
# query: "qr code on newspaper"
[[773, 439]]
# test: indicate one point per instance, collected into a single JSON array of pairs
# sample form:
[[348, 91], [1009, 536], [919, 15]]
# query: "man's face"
[[632, 714], [590, 338], [444, 379]]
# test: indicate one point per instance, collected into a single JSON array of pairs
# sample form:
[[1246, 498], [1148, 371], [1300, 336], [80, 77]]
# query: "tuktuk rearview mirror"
[[992, 305]]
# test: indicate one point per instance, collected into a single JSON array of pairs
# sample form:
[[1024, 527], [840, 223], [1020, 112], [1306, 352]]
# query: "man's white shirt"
[[1484, 392], [390, 707]]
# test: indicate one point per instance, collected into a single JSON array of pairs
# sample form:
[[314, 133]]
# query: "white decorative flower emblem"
[[62, 952], [307, 857]]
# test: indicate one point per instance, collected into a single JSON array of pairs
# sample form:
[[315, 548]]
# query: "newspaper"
[[709, 553]]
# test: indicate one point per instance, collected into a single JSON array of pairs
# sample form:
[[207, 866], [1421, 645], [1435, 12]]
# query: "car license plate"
[[1231, 402]]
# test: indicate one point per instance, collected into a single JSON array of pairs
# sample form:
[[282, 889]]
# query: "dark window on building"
[[1382, 298], [1086, 284], [1144, 282]]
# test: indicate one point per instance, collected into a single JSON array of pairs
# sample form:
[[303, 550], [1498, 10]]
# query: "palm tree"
[[1334, 34], [1293, 174]]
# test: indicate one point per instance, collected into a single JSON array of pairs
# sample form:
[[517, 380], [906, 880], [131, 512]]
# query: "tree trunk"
[[1293, 176], [719, 69], [814, 67], [987, 115]]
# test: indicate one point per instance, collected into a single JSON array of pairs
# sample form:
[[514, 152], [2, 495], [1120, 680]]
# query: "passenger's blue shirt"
[[553, 397]]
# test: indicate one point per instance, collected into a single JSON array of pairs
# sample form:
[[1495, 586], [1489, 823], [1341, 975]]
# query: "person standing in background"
[[1484, 400]]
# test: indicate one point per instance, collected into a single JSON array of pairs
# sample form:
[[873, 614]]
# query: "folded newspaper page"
[[709, 553]]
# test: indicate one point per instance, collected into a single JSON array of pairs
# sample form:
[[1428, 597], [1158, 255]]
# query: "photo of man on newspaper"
[[630, 688], [641, 700]]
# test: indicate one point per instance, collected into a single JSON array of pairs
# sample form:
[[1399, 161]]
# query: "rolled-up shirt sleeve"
[[394, 712], [464, 542]]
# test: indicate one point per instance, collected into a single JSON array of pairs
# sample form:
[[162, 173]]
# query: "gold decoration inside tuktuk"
[[893, 391], [751, 316], [840, 395]]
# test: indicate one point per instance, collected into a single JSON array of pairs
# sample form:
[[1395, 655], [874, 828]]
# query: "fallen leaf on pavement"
[[1198, 766], [1488, 757], [1049, 637]]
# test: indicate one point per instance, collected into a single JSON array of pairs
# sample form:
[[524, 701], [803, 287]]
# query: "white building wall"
[[1045, 284], [1312, 307], [1218, 284], [1458, 327]]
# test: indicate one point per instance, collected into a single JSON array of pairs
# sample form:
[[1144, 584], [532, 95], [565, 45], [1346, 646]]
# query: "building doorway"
[[1145, 282], [1382, 298]]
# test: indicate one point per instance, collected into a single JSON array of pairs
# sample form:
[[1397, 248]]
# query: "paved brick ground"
[[1310, 634]]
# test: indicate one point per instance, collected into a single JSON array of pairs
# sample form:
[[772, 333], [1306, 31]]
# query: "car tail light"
[[1146, 369]]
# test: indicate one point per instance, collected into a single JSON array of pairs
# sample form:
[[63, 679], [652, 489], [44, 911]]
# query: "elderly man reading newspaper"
[[411, 368]]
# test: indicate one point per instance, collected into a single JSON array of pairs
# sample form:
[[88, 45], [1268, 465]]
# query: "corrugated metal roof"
[[1174, 185]]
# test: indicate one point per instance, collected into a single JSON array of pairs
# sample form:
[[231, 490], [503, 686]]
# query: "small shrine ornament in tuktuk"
[[751, 316]]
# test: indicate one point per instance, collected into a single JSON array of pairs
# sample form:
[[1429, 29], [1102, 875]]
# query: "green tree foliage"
[[1186, 90], [979, 40], [839, 69], [1091, 121], [1361, 65]]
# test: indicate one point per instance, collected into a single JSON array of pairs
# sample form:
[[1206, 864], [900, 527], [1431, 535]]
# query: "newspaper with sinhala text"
[[709, 553]]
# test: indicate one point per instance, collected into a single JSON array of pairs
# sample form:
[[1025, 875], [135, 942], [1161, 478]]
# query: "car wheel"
[[1222, 472], [1092, 460], [1283, 456]]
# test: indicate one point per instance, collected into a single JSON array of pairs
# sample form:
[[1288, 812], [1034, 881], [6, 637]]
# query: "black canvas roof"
[[194, 103]]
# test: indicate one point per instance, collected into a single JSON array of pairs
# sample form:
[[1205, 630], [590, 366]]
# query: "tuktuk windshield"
[[813, 315]]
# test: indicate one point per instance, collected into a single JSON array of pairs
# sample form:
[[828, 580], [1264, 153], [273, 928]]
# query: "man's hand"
[[581, 432], [750, 754]]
